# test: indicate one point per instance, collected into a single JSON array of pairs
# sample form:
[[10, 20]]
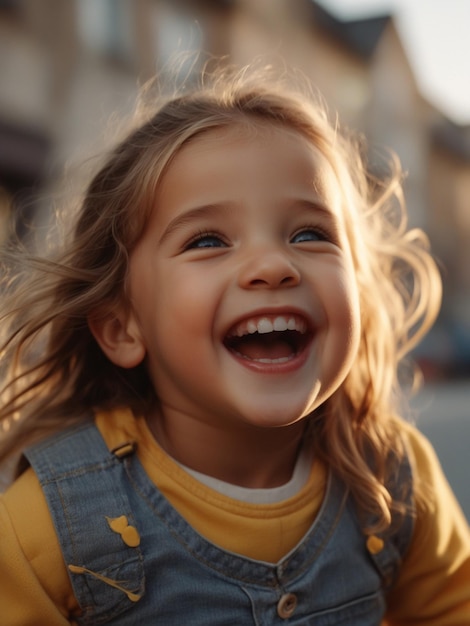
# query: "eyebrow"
[[182, 220], [213, 210], [318, 207]]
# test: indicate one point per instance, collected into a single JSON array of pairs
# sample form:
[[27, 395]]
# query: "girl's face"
[[243, 293]]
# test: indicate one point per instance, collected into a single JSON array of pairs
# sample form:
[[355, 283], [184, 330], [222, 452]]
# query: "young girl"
[[205, 385]]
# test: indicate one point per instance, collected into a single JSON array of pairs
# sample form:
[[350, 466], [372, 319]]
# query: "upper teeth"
[[263, 325]]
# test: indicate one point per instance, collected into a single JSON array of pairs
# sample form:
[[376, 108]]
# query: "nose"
[[269, 270]]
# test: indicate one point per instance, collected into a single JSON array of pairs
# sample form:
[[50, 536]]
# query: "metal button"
[[375, 544], [286, 605], [124, 449]]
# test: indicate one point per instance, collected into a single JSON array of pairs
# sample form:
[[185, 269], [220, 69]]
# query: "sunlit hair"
[[53, 370]]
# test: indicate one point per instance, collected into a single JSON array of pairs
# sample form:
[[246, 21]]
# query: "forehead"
[[259, 133], [252, 148]]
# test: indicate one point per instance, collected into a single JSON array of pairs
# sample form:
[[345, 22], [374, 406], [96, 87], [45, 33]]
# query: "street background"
[[443, 415]]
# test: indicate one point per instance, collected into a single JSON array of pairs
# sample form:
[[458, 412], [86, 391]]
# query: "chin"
[[275, 419]]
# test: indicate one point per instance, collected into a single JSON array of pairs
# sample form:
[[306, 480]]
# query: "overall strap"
[[85, 488], [387, 549]]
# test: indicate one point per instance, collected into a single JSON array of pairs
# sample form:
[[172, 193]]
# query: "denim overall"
[[133, 559]]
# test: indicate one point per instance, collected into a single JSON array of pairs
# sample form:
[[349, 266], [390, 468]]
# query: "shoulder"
[[435, 573], [430, 483], [421, 453], [437, 508], [30, 551], [30, 517], [34, 534]]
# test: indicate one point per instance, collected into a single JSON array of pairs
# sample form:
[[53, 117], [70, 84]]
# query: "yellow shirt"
[[433, 588]]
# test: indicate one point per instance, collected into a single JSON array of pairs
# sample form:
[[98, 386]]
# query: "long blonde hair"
[[53, 370]]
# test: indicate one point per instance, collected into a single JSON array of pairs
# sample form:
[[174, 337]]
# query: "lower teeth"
[[282, 359]]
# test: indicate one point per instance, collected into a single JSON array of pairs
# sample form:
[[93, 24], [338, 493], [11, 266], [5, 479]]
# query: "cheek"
[[186, 302], [344, 308], [352, 323]]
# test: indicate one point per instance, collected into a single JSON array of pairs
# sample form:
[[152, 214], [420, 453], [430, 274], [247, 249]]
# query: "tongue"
[[270, 346]]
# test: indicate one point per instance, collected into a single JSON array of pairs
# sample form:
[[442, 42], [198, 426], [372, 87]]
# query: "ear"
[[119, 337]]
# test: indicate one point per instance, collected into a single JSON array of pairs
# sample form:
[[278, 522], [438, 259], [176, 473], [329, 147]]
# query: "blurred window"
[[105, 27], [178, 37]]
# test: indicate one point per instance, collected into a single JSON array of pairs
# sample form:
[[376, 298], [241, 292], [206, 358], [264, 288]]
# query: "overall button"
[[286, 605], [375, 544]]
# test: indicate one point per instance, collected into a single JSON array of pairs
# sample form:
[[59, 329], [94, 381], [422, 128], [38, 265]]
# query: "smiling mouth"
[[269, 339]]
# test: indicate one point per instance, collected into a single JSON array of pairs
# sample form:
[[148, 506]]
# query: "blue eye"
[[206, 241], [308, 234]]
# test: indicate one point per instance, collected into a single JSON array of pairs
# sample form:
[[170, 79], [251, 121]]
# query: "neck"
[[252, 457]]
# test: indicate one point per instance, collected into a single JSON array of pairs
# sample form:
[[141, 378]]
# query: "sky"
[[436, 38]]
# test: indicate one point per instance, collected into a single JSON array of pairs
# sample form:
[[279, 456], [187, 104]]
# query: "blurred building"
[[67, 67], [448, 194]]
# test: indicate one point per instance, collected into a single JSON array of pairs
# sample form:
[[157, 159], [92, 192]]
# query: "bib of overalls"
[[133, 560]]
